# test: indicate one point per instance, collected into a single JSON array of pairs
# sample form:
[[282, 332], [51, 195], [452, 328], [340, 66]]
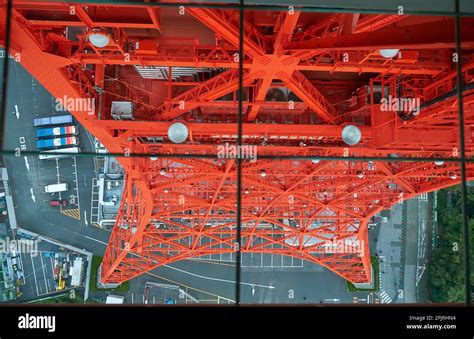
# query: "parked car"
[[62, 202]]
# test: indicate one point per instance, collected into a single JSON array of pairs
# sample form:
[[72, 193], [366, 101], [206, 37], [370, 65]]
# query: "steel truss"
[[175, 208]]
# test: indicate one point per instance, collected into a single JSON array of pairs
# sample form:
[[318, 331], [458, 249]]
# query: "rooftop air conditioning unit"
[[122, 110]]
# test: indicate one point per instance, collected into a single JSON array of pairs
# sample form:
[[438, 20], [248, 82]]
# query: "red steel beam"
[[432, 35], [225, 23], [283, 35], [374, 22], [306, 91], [349, 67]]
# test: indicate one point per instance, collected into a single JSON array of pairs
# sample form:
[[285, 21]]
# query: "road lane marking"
[[217, 279], [85, 218], [332, 300], [189, 287], [211, 262], [385, 298], [34, 274], [52, 264], [32, 195], [73, 213], [26, 163], [77, 185], [101, 242], [16, 112], [44, 273]]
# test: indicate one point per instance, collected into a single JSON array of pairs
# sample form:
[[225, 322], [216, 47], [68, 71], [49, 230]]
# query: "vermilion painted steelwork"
[[305, 77]]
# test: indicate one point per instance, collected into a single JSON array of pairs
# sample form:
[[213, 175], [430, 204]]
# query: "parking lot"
[[254, 260], [165, 294], [63, 170], [36, 270], [39, 279]]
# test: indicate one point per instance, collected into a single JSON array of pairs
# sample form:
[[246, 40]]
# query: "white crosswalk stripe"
[[385, 298], [423, 196]]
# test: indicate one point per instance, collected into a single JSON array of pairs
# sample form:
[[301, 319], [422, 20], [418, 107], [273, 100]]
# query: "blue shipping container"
[[61, 119], [58, 120], [46, 143]]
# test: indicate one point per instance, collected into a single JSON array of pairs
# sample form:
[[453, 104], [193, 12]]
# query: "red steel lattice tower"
[[305, 77]]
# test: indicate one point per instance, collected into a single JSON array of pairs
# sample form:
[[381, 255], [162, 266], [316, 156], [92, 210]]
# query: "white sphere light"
[[351, 135], [315, 161], [99, 40], [178, 132], [388, 53], [438, 162], [153, 158]]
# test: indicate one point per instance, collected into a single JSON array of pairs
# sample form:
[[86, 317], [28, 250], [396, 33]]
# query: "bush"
[[375, 264], [96, 261]]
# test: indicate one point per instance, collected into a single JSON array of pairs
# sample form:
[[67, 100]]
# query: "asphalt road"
[[29, 175]]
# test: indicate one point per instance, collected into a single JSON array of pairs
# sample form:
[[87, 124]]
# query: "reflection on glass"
[[121, 128]]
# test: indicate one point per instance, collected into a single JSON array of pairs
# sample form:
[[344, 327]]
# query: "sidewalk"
[[414, 214], [9, 200], [388, 248]]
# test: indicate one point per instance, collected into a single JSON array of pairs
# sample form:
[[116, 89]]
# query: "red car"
[[62, 202]]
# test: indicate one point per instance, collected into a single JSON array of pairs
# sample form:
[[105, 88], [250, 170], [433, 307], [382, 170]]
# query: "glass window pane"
[[121, 130], [363, 232], [348, 84], [119, 89], [437, 6]]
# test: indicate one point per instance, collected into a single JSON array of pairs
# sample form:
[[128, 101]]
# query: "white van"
[[55, 188]]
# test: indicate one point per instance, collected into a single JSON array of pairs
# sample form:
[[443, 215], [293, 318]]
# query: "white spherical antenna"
[[99, 40], [178, 132], [388, 53], [351, 135]]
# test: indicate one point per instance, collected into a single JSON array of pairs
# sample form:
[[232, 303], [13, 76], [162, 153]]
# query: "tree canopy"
[[446, 267]]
